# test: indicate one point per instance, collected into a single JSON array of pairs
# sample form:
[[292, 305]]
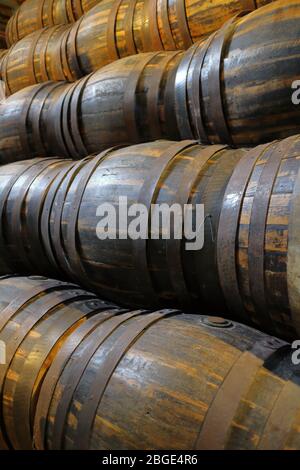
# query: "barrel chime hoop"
[[70, 11], [66, 118], [154, 90], [107, 368], [64, 55], [216, 425], [75, 262], [36, 123], [180, 94], [31, 56], [40, 15], [46, 214], [72, 373], [129, 105], [4, 68], [16, 216], [50, 12], [78, 7], [174, 246], [146, 197], [196, 107], [257, 229], [215, 110], [111, 39], [3, 200], [128, 28], [164, 16], [43, 54], [74, 117], [60, 200], [183, 23], [24, 118], [73, 48], [16, 25], [228, 230], [59, 363], [56, 129], [150, 33]]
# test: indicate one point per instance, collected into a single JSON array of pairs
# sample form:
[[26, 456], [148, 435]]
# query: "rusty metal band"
[[50, 12], [257, 229], [34, 210], [128, 28], [129, 102], [31, 56], [75, 262], [106, 369], [3, 201], [73, 58], [153, 95], [43, 53], [23, 121], [151, 39], [194, 90], [183, 23], [282, 417], [228, 230], [29, 296], [16, 25], [74, 117], [20, 436], [51, 380], [111, 40], [66, 118], [58, 203], [4, 68], [64, 55], [293, 265], [37, 107], [16, 215], [45, 218], [215, 111], [146, 197], [70, 12], [164, 16], [40, 14], [180, 94], [74, 370], [55, 130], [174, 246], [219, 417]]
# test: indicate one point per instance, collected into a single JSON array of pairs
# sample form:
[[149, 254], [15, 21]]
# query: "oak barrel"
[[83, 374], [257, 190]]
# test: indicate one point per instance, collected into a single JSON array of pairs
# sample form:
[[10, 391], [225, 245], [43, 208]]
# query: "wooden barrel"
[[114, 29], [255, 189], [37, 316], [36, 14], [83, 374]]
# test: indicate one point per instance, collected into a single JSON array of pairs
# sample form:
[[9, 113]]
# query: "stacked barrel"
[[197, 109]]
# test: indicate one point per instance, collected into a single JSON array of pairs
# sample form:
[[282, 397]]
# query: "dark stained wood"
[[250, 201], [115, 28]]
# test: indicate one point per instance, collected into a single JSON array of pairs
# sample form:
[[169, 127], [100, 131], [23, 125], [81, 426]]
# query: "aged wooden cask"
[[36, 14], [114, 29], [37, 315], [51, 207], [83, 374]]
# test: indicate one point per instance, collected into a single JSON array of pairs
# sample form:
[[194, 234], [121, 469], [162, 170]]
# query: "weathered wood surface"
[[112, 30], [165, 94], [82, 374], [36, 14], [250, 260]]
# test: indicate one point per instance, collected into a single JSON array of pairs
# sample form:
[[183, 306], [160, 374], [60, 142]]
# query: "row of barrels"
[[173, 95], [83, 374], [33, 15], [114, 29], [53, 222]]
